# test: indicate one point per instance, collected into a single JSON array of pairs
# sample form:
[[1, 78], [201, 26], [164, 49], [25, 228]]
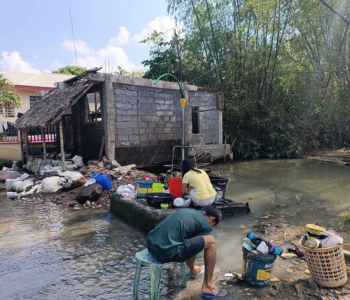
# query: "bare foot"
[[213, 290], [196, 270]]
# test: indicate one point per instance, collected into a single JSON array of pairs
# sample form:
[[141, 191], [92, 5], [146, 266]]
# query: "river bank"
[[52, 252]]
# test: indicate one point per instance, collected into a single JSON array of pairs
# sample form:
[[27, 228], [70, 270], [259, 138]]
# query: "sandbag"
[[18, 185], [73, 176], [78, 160], [125, 189], [51, 184]]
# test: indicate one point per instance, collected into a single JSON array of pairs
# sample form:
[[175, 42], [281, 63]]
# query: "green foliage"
[[5, 163], [70, 70], [272, 59], [8, 95]]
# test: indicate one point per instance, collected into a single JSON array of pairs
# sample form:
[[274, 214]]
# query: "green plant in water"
[[273, 190], [297, 198], [344, 219]]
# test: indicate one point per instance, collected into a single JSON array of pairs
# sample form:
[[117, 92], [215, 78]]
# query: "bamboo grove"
[[283, 66]]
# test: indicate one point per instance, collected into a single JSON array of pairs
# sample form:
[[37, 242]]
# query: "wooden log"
[[62, 148], [124, 170], [101, 148], [27, 144], [44, 145]]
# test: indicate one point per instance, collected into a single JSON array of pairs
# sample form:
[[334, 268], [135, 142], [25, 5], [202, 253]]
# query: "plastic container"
[[164, 206], [102, 180], [175, 187], [326, 265], [219, 182], [144, 186], [157, 188], [257, 268]]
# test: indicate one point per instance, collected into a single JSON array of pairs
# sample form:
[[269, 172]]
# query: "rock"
[[73, 203], [115, 164], [299, 287], [59, 202], [76, 208], [67, 186], [78, 183], [88, 203], [91, 193]]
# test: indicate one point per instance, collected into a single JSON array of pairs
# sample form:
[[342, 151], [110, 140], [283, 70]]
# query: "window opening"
[[34, 100], [195, 119]]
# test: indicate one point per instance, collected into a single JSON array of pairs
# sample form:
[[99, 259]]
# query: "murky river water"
[[48, 251]]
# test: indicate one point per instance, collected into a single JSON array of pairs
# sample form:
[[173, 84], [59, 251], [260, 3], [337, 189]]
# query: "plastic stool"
[[145, 258]]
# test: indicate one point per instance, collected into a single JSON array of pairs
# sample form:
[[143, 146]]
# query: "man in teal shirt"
[[181, 236]]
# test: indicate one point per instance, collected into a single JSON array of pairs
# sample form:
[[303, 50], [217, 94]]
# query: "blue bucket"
[[257, 268], [144, 187]]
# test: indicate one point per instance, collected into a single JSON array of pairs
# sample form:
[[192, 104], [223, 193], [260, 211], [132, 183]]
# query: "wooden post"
[[62, 148], [27, 143], [44, 145]]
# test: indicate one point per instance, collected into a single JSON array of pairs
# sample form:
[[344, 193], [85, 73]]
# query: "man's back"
[[176, 229]]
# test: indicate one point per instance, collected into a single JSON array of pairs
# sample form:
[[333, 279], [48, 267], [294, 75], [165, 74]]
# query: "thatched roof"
[[52, 105]]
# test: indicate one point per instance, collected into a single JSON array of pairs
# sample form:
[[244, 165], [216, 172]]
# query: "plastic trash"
[[71, 175], [90, 182], [51, 184], [248, 244], [181, 202], [263, 248], [11, 195], [78, 160]]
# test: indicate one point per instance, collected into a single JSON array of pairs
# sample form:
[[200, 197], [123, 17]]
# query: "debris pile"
[[76, 186]]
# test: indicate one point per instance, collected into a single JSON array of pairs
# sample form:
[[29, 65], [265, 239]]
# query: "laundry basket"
[[326, 265]]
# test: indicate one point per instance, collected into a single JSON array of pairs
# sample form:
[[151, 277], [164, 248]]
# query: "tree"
[[8, 95], [70, 70], [283, 65]]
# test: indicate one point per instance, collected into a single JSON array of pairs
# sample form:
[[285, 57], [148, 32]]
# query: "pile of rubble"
[[73, 187]]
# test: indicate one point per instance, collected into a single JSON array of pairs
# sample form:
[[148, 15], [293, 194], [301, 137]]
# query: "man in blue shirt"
[[181, 236]]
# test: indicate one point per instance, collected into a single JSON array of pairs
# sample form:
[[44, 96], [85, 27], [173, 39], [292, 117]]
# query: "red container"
[[175, 186]]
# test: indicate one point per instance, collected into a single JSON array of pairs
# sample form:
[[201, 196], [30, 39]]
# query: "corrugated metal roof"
[[40, 79]]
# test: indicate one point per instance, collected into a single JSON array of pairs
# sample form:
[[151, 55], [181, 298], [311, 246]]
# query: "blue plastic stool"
[[144, 258]]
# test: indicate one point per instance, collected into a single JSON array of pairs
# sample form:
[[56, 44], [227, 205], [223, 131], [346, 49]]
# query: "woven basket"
[[326, 265]]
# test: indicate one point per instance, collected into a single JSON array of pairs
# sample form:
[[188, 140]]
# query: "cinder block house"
[[136, 121]]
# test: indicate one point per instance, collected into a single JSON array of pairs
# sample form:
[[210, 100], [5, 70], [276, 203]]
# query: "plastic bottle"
[[256, 239]]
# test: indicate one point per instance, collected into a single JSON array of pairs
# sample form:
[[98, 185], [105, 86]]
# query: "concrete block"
[[161, 124], [159, 130], [164, 113], [159, 101], [122, 138], [132, 112], [169, 125], [120, 92], [150, 130], [167, 130], [119, 98], [164, 107], [161, 137], [151, 124], [134, 137], [150, 119], [143, 138], [152, 137], [142, 124], [142, 130]]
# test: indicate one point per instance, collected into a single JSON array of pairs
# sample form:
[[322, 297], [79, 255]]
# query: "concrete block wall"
[[210, 125], [145, 115]]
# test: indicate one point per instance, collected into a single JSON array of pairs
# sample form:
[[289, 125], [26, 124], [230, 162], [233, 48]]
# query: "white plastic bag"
[[125, 189], [51, 184], [181, 202], [128, 195], [73, 176], [78, 160]]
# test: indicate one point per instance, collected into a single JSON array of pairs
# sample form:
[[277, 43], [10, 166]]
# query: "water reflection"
[[50, 252]]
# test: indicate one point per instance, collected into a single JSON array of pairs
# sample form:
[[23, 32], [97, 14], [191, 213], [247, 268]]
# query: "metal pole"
[[183, 134]]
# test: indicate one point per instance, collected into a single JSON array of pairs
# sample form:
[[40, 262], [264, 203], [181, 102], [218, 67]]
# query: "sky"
[[36, 35]]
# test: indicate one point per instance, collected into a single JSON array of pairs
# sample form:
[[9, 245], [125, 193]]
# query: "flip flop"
[[214, 296]]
